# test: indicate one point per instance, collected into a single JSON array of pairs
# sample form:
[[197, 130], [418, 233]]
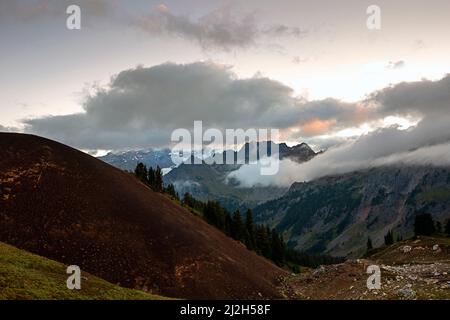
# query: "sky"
[[137, 70]]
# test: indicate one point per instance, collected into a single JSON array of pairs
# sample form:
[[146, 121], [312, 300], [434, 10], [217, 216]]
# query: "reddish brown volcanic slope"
[[63, 204]]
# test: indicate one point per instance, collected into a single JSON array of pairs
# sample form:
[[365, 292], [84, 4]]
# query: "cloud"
[[141, 107], [424, 98], [219, 29], [280, 30], [328, 115], [428, 143], [223, 28], [8, 129], [326, 165], [393, 65]]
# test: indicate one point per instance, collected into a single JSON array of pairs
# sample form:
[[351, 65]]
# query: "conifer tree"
[[277, 248], [151, 178], [237, 227], [369, 244], [438, 227], [141, 172], [170, 190], [158, 179], [424, 225], [389, 238], [250, 230], [228, 224], [447, 228], [188, 200]]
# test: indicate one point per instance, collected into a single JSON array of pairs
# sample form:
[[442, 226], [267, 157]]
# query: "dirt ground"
[[411, 269]]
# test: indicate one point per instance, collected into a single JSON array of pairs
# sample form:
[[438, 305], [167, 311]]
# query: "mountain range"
[[129, 159], [211, 182]]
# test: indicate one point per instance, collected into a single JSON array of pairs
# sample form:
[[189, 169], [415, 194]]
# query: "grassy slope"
[[27, 276]]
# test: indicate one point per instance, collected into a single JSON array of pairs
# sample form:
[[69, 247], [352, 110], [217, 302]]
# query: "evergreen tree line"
[[154, 179], [259, 238], [265, 241], [424, 225], [389, 238]]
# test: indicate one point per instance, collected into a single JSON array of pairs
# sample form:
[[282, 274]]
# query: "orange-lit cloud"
[[317, 126]]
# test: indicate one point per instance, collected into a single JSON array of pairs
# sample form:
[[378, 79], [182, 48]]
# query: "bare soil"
[[411, 269], [65, 205]]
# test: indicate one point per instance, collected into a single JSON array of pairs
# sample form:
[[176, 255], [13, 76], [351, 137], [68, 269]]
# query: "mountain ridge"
[[210, 181], [336, 214], [128, 160]]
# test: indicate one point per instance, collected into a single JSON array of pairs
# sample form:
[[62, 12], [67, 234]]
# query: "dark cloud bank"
[[142, 106]]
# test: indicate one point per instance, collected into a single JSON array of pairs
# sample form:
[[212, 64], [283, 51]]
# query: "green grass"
[[25, 276]]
